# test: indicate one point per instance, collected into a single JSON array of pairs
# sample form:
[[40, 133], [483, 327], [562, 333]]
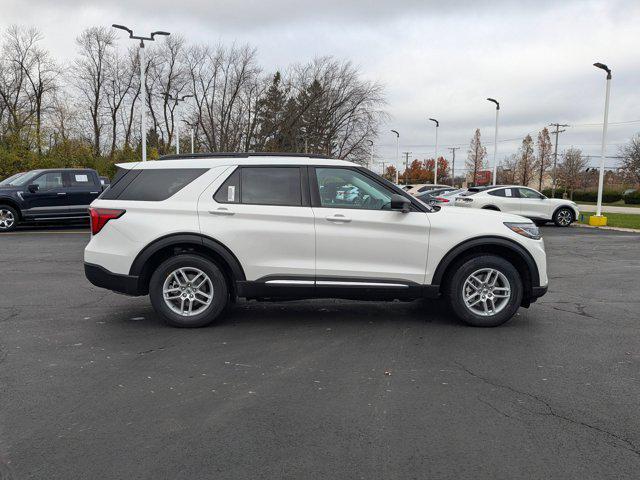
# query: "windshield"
[[11, 180], [26, 178]]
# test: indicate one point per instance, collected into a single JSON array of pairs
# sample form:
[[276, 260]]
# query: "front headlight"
[[528, 230]]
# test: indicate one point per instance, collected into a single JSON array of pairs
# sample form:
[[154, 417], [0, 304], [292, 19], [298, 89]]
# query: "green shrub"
[[633, 198], [608, 196]]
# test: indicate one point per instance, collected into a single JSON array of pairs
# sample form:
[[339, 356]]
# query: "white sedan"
[[521, 201]]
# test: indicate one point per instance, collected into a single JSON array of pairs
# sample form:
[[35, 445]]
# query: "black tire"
[[540, 223], [456, 287], [209, 313], [561, 215], [8, 218], [491, 207]]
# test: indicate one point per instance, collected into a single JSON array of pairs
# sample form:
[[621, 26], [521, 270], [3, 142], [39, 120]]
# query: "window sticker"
[[231, 193], [507, 192], [82, 178]]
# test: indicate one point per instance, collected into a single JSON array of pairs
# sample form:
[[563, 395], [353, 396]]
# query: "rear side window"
[[262, 186], [80, 179], [152, 185], [498, 193]]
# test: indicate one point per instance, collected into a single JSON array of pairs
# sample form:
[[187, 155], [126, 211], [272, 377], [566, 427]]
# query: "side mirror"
[[33, 188], [400, 203]]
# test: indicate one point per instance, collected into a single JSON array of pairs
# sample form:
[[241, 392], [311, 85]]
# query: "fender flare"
[[466, 245], [195, 239], [491, 207]]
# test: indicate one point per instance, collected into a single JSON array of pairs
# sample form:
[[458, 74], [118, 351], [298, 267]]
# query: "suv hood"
[[477, 214], [9, 188]]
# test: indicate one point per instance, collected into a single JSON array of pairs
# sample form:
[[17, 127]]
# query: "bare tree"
[[120, 81], [95, 46], [631, 159], [476, 157], [507, 171], [526, 165], [571, 169], [544, 154]]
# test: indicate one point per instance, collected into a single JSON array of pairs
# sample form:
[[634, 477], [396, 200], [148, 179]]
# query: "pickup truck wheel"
[[485, 291], [563, 217], [188, 291], [8, 218]]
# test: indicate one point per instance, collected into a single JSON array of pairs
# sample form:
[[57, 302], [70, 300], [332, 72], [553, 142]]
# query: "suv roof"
[[243, 155], [208, 160]]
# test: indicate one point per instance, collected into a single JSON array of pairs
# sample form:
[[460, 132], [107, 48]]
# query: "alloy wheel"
[[486, 292], [6, 219], [564, 217], [187, 291]]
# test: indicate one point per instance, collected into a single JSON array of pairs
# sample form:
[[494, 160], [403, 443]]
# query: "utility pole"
[[555, 155], [383, 164], [453, 165], [406, 165], [397, 153]]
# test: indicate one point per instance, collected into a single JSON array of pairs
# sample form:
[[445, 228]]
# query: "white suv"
[[198, 231], [523, 201]]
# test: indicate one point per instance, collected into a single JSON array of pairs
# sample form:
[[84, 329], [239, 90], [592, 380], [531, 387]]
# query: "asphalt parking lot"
[[93, 386]]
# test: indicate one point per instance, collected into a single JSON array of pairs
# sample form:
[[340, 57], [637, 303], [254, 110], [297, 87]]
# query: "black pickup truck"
[[61, 194]]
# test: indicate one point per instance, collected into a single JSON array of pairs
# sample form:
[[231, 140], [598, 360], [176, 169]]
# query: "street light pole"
[[191, 140], [435, 163], [178, 115], [397, 153], [495, 141], [604, 137], [143, 86], [370, 166]]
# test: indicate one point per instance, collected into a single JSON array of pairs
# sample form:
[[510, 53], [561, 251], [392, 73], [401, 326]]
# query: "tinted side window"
[[528, 193], [80, 179], [271, 186], [155, 184], [48, 181], [497, 193], [229, 192], [347, 188]]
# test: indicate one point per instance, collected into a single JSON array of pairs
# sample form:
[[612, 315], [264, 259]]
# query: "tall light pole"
[[143, 86], [397, 153], [435, 167], [603, 220], [178, 115], [495, 141], [370, 166]]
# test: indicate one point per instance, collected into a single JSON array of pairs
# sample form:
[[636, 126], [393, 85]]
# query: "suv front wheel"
[[188, 291], [485, 291], [8, 218]]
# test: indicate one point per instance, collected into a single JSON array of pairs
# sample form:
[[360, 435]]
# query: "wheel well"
[[12, 204], [491, 207], [505, 252], [172, 250]]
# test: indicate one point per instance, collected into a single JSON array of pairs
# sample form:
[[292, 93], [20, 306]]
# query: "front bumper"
[[103, 278]]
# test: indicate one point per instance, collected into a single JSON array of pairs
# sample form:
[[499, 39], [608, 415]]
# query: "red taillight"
[[100, 216], [441, 199]]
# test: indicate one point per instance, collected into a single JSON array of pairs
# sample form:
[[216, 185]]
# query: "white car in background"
[[523, 201]]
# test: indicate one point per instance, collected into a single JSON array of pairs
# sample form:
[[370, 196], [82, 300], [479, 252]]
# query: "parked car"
[[423, 187], [438, 196], [523, 201], [195, 232], [105, 182], [48, 195]]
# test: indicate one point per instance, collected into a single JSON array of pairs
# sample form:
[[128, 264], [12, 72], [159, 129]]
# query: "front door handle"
[[338, 218], [221, 211], [62, 193]]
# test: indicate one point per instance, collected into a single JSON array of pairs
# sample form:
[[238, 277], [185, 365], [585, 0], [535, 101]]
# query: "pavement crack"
[[492, 407], [550, 411]]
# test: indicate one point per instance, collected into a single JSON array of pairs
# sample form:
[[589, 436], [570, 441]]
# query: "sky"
[[438, 59]]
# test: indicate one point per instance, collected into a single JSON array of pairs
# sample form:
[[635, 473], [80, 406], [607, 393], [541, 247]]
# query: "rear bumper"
[[103, 278]]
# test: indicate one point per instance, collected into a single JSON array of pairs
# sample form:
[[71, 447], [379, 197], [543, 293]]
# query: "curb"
[[617, 229]]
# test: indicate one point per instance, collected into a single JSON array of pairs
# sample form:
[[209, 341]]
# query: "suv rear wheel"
[[188, 291], [8, 218], [485, 291]]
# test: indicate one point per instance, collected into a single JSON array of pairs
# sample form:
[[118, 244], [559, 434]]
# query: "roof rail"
[[242, 155]]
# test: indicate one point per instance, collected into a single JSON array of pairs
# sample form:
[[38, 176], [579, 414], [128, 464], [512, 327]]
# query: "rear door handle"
[[221, 211], [338, 218]]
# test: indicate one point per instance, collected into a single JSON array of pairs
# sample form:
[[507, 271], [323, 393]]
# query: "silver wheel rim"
[[6, 219], [564, 217], [486, 292], [187, 291]]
